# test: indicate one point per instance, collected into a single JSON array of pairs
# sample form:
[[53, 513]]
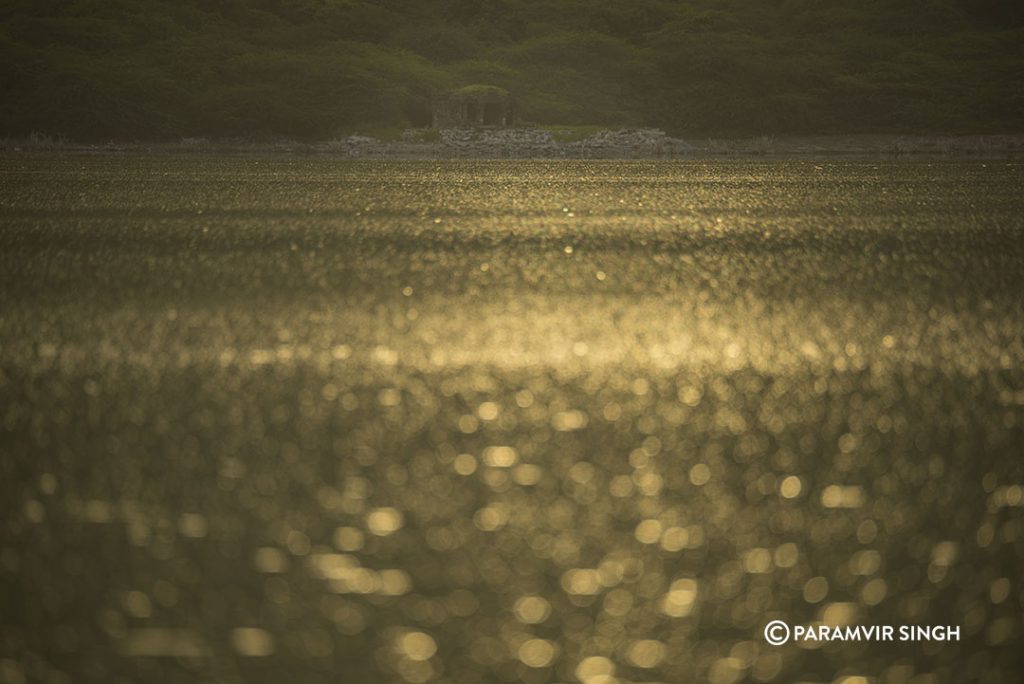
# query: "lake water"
[[458, 422]]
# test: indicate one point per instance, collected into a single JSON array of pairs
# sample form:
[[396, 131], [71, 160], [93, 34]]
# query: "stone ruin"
[[475, 106]]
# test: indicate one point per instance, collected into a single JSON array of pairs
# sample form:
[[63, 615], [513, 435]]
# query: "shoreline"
[[534, 143]]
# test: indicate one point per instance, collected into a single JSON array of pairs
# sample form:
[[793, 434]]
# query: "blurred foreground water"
[[460, 422]]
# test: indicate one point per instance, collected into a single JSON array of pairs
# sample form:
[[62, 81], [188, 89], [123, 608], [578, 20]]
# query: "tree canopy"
[[158, 69]]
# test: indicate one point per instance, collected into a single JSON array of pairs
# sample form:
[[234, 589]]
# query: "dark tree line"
[[150, 69]]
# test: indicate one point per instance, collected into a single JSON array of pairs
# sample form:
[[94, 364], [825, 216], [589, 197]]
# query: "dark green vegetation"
[[266, 395], [159, 69]]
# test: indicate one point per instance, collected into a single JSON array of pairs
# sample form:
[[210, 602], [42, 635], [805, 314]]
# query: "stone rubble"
[[527, 143], [513, 143]]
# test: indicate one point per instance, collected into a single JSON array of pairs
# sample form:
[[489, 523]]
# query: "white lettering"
[[848, 633]]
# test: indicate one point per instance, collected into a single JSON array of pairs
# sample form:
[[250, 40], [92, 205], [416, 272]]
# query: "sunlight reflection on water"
[[554, 422]]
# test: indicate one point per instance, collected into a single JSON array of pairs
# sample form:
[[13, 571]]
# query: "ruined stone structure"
[[473, 107]]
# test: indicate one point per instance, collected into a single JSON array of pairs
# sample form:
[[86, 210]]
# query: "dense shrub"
[[150, 69]]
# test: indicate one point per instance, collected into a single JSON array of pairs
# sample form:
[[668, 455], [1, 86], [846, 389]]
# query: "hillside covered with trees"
[[312, 69]]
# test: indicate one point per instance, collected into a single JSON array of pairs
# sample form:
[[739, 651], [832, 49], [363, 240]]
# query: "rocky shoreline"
[[541, 143], [519, 143]]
